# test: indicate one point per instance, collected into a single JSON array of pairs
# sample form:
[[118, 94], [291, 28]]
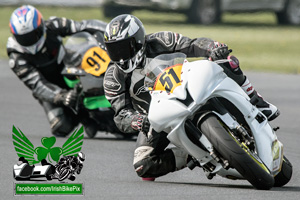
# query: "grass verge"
[[256, 39]]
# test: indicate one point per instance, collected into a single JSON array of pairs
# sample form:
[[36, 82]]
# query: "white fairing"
[[206, 74], [203, 80]]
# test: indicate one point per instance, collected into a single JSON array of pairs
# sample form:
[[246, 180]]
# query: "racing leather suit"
[[128, 97], [41, 72]]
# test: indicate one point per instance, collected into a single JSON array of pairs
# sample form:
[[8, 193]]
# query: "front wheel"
[[237, 153]]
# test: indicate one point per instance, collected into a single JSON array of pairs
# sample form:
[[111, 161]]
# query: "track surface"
[[108, 172]]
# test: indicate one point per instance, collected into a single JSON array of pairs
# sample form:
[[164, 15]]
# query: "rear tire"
[[285, 175], [230, 149]]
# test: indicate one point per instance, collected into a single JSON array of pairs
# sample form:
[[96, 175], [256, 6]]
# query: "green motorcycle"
[[85, 62]]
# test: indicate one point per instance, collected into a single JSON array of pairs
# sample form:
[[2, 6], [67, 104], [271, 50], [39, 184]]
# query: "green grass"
[[256, 39]]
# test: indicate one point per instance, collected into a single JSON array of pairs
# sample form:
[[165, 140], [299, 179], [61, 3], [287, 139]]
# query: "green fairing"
[[96, 102], [71, 83], [90, 102]]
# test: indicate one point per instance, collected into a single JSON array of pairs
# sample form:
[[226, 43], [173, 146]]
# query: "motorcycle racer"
[[130, 50], [33, 51]]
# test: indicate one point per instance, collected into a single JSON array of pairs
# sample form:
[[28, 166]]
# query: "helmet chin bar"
[[132, 63], [126, 67], [33, 49]]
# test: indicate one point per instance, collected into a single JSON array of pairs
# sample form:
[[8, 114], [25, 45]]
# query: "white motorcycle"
[[209, 116]]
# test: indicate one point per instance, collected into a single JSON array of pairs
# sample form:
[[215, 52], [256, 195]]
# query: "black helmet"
[[125, 41]]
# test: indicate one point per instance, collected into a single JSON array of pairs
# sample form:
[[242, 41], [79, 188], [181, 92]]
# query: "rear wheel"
[[285, 175], [237, 153]]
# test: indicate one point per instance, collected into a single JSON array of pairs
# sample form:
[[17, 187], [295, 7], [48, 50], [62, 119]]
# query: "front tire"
[[236, 153]]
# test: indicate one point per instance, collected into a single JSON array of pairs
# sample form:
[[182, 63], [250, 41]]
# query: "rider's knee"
[[142, 168], [142, 160], [61, 123], [149, 164]]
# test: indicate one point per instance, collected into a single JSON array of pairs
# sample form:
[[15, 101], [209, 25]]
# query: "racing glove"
[[140, 122], [219, 51], [67, 98]]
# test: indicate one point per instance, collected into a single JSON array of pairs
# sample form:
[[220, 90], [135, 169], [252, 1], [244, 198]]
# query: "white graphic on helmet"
[[26, 20], [130, 30], [23, 23]]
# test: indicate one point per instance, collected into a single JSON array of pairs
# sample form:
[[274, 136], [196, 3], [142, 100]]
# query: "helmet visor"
[[30, 38], [123, 50]]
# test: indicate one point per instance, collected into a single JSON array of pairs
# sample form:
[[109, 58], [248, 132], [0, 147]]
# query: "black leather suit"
[[41, 72]]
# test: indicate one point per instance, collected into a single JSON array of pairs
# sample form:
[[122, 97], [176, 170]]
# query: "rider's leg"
[[151, 159], [62, 121], [234, 71], [268, 109], [89, 124]]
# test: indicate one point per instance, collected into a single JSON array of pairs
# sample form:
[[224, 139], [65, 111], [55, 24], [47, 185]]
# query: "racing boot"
[[268, 109]]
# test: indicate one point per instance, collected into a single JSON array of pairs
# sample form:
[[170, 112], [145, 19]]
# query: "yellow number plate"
[[95, 61], [169, 79]]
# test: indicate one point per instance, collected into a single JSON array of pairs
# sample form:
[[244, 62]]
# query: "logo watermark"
[[48, 189], [48, 162]]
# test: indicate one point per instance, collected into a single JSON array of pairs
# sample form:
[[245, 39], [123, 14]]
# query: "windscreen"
[[164, 72]]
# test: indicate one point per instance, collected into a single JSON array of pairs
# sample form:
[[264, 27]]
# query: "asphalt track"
[[108, 172]]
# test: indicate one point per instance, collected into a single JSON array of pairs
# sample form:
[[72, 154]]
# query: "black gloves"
[[220, 51], [67, 98], [140, 122]]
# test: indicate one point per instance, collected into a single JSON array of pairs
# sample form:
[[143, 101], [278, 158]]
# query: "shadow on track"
[[111, 139], [210, 185], [279, 189]]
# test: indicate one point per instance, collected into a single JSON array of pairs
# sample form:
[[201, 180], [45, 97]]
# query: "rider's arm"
[[33, 79], [65, 27], [169, 42], [116, 92]]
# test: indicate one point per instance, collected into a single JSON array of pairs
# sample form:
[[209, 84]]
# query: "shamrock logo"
[[48, 149], [25, 148]]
